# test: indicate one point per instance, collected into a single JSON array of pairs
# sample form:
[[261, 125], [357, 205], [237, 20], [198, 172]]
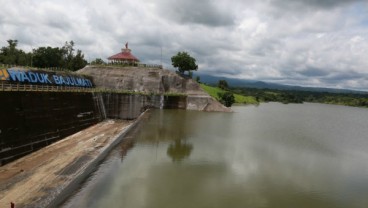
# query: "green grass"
[[213, 92], [245, 99]]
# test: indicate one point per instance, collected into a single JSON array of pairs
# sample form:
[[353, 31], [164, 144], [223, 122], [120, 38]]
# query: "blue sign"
[[35, 77]]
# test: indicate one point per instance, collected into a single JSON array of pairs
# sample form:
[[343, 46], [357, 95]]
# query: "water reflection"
[[162, 127], [126, 145], [129, 139], [179, 150]]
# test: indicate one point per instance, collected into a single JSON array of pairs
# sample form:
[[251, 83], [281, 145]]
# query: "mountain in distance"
[[213, 80]]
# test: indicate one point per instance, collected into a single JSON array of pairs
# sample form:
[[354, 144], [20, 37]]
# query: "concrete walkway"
[[38, 179]]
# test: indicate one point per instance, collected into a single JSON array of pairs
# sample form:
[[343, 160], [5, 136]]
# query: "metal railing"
[[48, 88], [56, 69], [150, 66], [154, 66]]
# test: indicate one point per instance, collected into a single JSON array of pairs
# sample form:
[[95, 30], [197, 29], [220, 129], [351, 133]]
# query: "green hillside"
[[213, 91]]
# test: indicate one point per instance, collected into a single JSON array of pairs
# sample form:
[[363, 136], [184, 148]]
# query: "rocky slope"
[[153, 80]]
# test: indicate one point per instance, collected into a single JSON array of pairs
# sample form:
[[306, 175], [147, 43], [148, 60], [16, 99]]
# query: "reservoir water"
[[273, 155]]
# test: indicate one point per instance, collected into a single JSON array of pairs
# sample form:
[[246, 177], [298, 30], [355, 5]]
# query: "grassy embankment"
[[241, 99]]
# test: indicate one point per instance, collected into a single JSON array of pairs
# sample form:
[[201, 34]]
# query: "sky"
[[317, 43]]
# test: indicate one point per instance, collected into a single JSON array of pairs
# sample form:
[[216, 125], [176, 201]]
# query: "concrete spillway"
[[124, 106]]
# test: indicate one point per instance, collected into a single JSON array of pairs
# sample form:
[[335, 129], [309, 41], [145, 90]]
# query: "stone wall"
[[146, 80], [126, 106], [153, 81]]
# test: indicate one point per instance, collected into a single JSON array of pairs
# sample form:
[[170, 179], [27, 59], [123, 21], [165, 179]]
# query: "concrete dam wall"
[[32, 120], [123, 106]]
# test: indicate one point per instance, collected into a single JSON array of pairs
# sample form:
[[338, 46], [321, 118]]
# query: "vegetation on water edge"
[[293, 96], [215, 91], [256, 96]]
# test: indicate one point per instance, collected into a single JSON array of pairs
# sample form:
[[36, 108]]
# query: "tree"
[[227, 98], [12, 55], [43, 57], [48, 57], [68, 55], [184, 62], [78, 61], [198, 79], [98, 61], [222, 84]]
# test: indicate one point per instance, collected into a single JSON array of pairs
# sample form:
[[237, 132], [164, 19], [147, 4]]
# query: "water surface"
[[273, 155]]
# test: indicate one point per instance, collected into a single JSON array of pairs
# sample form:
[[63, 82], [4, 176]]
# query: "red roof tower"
[[125, 56]]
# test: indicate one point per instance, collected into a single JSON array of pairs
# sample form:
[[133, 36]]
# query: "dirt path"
[[34, 180]]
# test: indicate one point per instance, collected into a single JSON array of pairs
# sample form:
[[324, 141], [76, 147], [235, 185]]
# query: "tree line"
[[355, 99], [295, 96], [43, 57]]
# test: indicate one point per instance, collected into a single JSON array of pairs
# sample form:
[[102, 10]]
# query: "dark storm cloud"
[[227, 72], [314, 72], [301, 4], [343, 76], [204, 12]]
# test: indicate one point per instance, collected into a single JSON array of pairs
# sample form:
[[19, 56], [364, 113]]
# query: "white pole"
[[161, 57]]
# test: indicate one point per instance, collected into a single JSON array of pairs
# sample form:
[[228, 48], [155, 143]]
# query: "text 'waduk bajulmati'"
[[34, 77]]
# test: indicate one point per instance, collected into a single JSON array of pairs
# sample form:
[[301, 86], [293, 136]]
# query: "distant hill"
[[212, 80]]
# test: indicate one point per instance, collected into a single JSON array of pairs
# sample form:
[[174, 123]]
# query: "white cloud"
[[314, 43]]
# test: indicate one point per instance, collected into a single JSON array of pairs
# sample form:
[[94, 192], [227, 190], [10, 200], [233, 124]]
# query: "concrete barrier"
[[59, 196]]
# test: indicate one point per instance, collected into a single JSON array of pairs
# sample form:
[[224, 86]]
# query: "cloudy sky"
[[299, 42]]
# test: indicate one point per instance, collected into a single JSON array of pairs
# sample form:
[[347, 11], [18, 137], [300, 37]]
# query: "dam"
[[48, 112], [36, 119], [38, 115]]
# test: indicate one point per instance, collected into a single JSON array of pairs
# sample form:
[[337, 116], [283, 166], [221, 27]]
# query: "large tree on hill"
[[98, 61], [12, 55], [78, 61], [71, 61], [184, 62], [48, 57], [222, 84], [44, 57]]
